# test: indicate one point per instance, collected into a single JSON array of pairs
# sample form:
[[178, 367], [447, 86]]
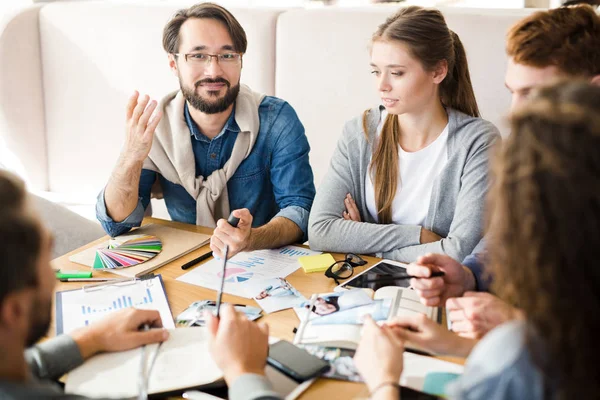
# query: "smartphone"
[[295, 362]]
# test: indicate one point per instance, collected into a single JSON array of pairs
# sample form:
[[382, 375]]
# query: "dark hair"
[[595, 3], [20, 237], [544, 231], [430, 41], [209, 11], [566, 37], [332, 300]]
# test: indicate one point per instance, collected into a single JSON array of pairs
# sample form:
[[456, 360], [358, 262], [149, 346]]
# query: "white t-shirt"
[[418, 171]]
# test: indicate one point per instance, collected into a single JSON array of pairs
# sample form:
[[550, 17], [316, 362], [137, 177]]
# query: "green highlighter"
[[60, 274]]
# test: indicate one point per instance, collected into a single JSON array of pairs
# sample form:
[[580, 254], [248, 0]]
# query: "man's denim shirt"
[[275, 180], [476, 262]]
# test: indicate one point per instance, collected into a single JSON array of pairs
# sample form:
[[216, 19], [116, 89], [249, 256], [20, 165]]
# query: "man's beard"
[[210, 107], [40, 320]]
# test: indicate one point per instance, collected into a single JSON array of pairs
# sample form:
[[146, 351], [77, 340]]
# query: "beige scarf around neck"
[[172, 155]]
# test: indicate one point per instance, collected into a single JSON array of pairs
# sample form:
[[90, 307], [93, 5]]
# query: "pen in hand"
[[233, 221], [404, 276]]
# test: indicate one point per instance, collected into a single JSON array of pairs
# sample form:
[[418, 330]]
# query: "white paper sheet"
[[79, 308], [247, 267], [183, 361]]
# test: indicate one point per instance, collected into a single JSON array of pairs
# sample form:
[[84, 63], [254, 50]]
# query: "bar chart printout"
[[79, 308], [246, 267]]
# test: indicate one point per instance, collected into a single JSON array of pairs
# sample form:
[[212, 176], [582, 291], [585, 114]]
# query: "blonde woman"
[[410, 176]]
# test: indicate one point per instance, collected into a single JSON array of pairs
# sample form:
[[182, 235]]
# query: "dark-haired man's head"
[[547, 45], [26, 279], [205, 44]]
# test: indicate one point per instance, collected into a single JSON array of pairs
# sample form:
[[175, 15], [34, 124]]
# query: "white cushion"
[[22, 130], [323, 66]]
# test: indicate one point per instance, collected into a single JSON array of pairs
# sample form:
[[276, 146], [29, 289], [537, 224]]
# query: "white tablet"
[[379, 270]]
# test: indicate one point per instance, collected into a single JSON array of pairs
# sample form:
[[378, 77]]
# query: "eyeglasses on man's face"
[[344, 269], [202, 60]]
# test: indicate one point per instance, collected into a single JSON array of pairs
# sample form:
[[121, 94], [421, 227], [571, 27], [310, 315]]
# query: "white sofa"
[[68, 67]]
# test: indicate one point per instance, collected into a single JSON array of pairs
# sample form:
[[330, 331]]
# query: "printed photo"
[[379, 310], [340, 360], [274, 294], [330, 303], [194, 314]]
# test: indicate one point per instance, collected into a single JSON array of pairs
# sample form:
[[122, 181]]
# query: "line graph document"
[[246, 267]]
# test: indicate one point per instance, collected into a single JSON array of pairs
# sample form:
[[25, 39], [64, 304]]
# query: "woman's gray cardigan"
[[456, 208]]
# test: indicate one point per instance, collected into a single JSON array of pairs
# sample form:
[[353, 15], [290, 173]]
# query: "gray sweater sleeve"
[[328, 231], [469, 211], [53, 358]]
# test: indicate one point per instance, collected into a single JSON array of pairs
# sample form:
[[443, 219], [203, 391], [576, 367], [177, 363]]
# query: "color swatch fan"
[[121, 254]]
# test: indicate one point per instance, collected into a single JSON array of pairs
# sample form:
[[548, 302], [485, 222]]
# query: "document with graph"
[[78, 308], [247, 267]]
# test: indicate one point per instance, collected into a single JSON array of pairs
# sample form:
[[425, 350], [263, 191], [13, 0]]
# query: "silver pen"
[[142, 377], [115, 281], [302, 327]]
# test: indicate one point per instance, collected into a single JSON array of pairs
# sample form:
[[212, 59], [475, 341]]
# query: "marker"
[[197, 260], [89, 279], [63, 274], [402, 277]]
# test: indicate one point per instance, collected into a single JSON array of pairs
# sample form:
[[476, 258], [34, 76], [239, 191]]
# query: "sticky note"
[[318, 263]]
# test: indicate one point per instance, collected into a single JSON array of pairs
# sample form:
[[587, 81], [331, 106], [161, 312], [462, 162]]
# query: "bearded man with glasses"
[[212, 147]]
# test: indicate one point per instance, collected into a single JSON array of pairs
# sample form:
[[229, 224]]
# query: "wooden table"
[[281, 323]]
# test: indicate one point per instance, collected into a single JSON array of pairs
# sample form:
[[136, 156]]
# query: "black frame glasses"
[[346, 269]]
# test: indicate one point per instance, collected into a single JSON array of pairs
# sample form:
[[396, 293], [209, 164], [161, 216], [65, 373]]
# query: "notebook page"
[[108, 375], [183, 361]]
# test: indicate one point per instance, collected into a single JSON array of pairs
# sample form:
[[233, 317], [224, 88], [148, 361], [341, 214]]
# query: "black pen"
[[401, 277], [196, 260]]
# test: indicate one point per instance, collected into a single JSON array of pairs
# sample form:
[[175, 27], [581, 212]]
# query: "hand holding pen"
[[236, 237], [399, 277], [238, 346], [233, 221], [120, 331], [435, 290]]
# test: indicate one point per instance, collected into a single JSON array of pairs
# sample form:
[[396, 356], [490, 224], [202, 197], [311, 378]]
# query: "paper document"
[[274, 294], [78, 308], [247, 267], [182, 362]]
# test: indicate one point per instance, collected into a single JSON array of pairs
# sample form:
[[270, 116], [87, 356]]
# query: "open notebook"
[[343, 328], [182, 362], [175, 243]]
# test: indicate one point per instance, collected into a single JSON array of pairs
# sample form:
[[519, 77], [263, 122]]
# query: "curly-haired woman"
[[545, 220]]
